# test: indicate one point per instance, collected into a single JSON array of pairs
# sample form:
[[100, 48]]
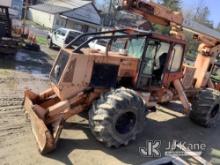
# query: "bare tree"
[[202, 16], [218, 27]]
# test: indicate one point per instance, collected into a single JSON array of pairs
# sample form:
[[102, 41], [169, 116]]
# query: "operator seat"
[[159, 71]]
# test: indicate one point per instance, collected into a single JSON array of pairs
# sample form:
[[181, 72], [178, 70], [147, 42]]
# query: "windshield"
[[133, 46], [121, 41], [136, 47]]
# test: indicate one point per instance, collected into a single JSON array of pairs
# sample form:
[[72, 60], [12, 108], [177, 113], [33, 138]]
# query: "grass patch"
[[41, 40], [215, 78]]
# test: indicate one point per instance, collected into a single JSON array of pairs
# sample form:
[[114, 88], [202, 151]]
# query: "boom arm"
[[153, 12], [158, 14], [162, 15]]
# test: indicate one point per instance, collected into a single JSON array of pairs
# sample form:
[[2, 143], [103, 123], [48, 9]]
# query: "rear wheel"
[[117, 117], [206, 108]]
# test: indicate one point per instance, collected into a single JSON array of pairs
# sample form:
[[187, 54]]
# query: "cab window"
[[176, 58], [136, 47], [149, 58], [118, 44], [155, 57], [133, 46]]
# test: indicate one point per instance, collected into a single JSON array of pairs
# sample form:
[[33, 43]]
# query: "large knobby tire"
[[117, 117], [206, 107]]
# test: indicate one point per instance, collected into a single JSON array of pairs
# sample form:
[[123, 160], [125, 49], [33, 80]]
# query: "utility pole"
[[25, 13], [109, 12]]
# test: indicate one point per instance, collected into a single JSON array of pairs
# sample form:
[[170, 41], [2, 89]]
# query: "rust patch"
[[70, 72]]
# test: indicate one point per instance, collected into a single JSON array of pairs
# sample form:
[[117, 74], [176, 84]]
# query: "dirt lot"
[[77, 145]]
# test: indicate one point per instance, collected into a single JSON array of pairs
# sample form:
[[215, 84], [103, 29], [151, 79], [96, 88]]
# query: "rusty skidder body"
[[81, 76], [136, 70]]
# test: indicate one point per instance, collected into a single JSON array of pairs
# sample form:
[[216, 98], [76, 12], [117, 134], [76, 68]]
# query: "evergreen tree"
[[172, 4]]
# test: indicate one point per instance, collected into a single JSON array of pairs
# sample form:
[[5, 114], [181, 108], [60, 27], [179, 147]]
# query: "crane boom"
[[159, 14], [153, 12]]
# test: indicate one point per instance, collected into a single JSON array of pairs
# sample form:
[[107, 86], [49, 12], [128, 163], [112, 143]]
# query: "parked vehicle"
[[99, 45], [61, 37]]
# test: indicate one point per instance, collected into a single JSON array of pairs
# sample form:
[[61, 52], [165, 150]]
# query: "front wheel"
[[117, 117]]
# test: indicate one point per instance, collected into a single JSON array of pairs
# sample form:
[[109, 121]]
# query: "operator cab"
[[159, 58], [160, 62]]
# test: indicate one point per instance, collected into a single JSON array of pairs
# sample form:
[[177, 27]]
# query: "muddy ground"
[[77, 145]]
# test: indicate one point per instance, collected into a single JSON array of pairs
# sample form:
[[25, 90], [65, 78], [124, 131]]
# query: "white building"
[[6, 3], [75, 14]]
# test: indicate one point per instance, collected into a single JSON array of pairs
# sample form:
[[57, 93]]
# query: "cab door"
[[152, 64], [146, 65], [173, 70]]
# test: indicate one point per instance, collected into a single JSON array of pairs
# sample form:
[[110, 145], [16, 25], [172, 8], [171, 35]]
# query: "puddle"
[[34, 71], [20, 56], [24, 57], [24, 70], [35, 63]]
